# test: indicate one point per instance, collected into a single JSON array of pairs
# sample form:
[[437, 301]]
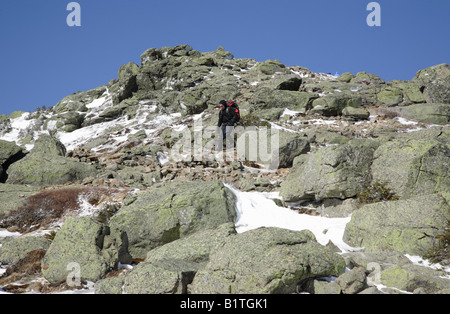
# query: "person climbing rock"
[[229, 115]]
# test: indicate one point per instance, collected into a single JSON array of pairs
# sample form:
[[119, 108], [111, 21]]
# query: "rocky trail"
[[95, 199]]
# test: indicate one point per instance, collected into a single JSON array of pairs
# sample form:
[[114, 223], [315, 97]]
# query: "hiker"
[[228, 116]]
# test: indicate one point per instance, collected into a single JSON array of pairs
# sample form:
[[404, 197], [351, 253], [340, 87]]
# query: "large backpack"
[[233, 105]]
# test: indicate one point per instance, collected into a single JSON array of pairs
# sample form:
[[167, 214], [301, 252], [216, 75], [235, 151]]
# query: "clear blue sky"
[[42, 59]]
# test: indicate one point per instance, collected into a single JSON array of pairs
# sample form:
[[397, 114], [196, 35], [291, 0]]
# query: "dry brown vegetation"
[[44, 208]]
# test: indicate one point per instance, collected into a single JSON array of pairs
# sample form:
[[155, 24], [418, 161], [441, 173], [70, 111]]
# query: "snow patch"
[[288, 112], [163, 158], [419, 261], [96, 103], [406, 122], [255, 210], [322, 122]]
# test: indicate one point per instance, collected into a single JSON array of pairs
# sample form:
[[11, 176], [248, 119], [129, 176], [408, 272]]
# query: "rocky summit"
[[332, 184]]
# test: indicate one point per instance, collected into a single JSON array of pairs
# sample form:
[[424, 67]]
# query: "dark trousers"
[[227, 133]]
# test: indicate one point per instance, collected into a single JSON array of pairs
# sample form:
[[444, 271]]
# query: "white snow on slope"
[[25, 126], [257, 210], [19, 128]]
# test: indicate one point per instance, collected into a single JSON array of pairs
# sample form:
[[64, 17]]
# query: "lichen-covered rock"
[[13, 196], [410, 277], [169, 278], [67, 122], [14, 250], [9, 152], [435, 81], [271, 67], [367, 78], [406, 226], [174, 211], [332, 105], [268, 98], [41, 170], [111, 285], [266, 261], [46, 165], [331, 172], [411, 91], [195, 248], [154, 54], [353, 281], [79, 101], [346, 77], [425, 113], [352, 113], [127, 83], [291, 145], [48, 146], [179, 261], [414, 164], [324, 287], [96, 248], [390, 96]]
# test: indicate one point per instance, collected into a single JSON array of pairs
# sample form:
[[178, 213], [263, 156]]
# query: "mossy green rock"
[[289, 82], [426, 113], [194, 248], [149, 278], [14, 250], [353, 281], [436, 83], [9, 151], [324, 287], [66, 122], [173, 211], [266, 261], [46, 165], [111, 285], [13, 196], [291, 145], [416, 163], [352, 113], [390, 96], [346, 77], [96, 248], [331, 172], [176, 262], [332, 105], [367, 78], [270, 67], [411, 277], [78, 101], [127, 71], [193, 104], [411, 91], [127, 83], [47, 145], [154, 54], [42, 170], [267, 98], [16, 114], [406, 226]]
